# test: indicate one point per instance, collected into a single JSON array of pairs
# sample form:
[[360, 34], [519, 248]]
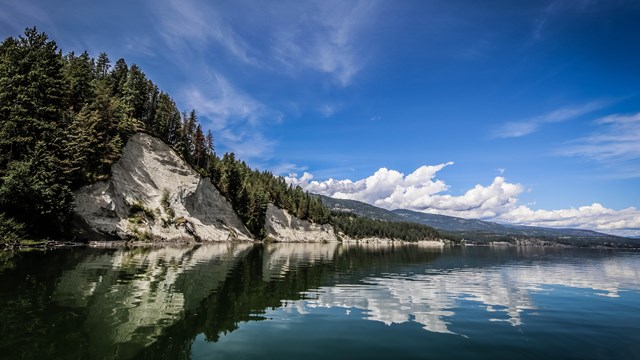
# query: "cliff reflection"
[[153, 302], [131, 296]]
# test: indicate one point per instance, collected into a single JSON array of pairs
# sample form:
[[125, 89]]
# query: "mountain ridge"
[[479, 231]]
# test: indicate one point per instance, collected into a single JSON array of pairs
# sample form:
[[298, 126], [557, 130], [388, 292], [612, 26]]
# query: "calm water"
[[305, 301]]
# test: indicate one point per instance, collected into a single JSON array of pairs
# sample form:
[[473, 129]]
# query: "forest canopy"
[[64, 120]]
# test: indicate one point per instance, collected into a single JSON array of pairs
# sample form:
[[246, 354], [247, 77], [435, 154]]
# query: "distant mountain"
[[448, 223], [480, 231], [456, 224], [361, 209]]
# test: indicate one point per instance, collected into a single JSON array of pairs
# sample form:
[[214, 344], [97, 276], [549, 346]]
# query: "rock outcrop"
[[284, 227], [155, 195]]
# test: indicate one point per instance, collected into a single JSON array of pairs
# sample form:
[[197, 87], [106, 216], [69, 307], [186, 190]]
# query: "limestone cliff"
[[155, 195], [284, 227]]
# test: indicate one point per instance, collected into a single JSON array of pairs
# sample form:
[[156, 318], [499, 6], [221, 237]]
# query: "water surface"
[[287, 301]]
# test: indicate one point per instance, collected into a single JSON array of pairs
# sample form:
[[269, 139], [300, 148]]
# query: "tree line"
[[64, 120], [359, 227]]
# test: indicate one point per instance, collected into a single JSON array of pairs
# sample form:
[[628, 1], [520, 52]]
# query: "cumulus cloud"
[[525, 127], [419, 190], [594, 216], [497, 201]]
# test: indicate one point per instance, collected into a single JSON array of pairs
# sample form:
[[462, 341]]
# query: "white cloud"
[[594, 216], [235, 117], [419, 191], [525, 127], [618, 138], [223, 103], [15, 16], [198, 24], [325, 37], [555, 9], [285, 168], [328, 110], [498, 201], [322, 36]]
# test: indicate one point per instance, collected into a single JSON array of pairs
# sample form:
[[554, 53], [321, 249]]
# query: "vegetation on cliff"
[[64, 120]]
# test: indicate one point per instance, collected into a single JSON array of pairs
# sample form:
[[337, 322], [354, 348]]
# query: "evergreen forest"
[[65, 118]]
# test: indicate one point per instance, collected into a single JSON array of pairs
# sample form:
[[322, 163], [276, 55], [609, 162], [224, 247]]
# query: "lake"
[[318, 301]]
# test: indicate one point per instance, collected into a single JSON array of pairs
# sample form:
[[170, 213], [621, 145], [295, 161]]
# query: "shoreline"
[[439, 243]]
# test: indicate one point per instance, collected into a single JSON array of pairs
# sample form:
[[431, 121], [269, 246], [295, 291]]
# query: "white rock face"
[[147, 169], [284, 227]]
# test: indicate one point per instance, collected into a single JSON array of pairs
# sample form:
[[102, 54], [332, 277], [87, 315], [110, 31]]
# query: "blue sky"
[[513, 111]]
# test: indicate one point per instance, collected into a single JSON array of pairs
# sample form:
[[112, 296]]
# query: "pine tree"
[[166, 124], [199, 147], [31, 94], [103, 64], [118, 77], [79, 75], [135, 94]]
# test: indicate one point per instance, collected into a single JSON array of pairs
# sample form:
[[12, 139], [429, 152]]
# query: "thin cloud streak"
[[326, 42], [13, 14], [522, 128], [618, 139], [235, 117], [199, 25]]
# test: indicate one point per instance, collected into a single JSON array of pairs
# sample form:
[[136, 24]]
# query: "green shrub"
[[138, 209], [11, 231]]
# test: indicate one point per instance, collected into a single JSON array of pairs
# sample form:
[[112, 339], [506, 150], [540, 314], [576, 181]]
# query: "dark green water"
[[297, 301]]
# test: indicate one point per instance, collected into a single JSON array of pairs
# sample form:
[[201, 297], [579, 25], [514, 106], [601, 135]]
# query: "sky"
[[524, 112]]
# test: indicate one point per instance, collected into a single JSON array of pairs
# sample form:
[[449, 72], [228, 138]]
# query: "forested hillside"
[[64, 120]]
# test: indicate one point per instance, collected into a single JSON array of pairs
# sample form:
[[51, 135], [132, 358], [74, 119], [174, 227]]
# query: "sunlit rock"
[[177, 203]]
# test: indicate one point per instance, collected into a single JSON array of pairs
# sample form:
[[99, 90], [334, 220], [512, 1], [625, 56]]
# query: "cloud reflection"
[[505, 292]]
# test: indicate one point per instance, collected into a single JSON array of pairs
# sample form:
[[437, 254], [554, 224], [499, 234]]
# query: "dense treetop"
[[64, 120]]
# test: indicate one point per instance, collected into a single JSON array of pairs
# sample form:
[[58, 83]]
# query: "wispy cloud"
[[326, 38], [618, 138], [328, 110], [291, 37], [286, 168], [548, 13], [199, 25], [140, 45], [235, 117], [268, 39], [525, 127], [14, 14], [555, 9]]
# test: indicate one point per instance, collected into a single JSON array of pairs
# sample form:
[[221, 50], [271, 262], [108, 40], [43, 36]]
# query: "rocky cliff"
[[154, 195], [284, 227]]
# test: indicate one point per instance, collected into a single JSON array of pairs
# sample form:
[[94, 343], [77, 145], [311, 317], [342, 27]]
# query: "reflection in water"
[[132, 295], [153, 302], [280, 258], [431, 298]]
